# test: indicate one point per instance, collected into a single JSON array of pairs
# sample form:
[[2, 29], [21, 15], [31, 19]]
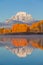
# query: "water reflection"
[[21, 46]]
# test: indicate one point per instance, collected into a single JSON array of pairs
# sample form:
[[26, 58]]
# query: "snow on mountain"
[[21, 16], [21, 52]]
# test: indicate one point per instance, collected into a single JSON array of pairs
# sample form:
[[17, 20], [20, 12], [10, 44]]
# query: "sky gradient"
[[8, 8]]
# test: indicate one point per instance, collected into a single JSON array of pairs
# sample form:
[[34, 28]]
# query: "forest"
[[36, 27]]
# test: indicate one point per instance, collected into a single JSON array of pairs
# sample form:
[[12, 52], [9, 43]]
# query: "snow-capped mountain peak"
[[22, 16]]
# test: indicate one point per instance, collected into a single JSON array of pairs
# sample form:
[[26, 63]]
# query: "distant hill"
[[8, 24]]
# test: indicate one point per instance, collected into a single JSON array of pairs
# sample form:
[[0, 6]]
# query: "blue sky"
[[8, 8]]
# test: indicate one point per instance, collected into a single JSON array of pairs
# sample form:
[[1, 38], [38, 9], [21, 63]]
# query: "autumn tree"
[[1, 30], [37, 27], [20, 28]]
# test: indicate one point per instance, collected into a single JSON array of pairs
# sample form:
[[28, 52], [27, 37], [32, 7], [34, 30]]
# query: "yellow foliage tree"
[[20, 28], [37, 27], [6, 31], [1, 30]]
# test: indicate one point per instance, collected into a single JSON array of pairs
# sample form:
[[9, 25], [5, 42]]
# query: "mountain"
[[9, 24], [21, 51], [20, 17], [5, 25]]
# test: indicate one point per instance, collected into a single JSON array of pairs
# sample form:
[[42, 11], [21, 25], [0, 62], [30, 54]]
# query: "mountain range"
[[20, 17]]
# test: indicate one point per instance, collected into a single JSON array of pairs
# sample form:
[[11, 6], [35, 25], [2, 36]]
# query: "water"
[[21, 50]]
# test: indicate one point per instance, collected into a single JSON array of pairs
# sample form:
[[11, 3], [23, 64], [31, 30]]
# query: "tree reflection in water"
[[22, 46]]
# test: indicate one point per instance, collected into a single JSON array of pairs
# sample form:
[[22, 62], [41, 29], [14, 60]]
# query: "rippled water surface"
[[21, 50]]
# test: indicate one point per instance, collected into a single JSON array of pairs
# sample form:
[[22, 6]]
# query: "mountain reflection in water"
[[21, 46]]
